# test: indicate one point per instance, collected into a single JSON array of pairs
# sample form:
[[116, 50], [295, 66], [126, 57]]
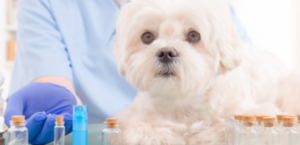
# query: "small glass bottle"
[[269, 135], [237, 127], [80, 125], [59, 131], [111, 134], [279, 126], [249, 135], [288, 135], [17, 133], [259, 122]]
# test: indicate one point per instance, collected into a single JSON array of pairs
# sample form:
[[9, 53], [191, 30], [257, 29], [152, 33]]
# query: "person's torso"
[[88, 28]]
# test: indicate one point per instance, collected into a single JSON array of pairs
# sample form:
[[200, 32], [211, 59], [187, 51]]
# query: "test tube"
[[59, 131], [80, 122]]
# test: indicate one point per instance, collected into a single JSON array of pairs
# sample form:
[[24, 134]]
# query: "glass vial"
[[111, 134], [298, 128], [279, 122], [269, 135], [17, 133], [80, 124], [288, 135], [249, 135], [59, 131], [259, 122], [237, 127]]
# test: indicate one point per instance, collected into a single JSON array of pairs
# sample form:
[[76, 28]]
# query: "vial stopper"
[[238, 117], [112, 122], [269, 119], [279, 117], [248, 118], [18, 120], [261, 117], [288, 121], [60, 120]]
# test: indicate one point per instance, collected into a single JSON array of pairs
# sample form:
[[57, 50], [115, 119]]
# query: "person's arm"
[[42, 56], [59, 81]]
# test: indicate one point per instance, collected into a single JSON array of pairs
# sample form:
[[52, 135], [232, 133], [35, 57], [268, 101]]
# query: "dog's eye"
[[147, 38], [193, 37]]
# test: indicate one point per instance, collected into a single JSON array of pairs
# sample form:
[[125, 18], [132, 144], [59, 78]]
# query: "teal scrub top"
[[74, 39]]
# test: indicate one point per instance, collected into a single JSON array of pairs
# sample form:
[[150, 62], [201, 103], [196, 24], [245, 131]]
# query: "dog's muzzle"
[[167, 57]]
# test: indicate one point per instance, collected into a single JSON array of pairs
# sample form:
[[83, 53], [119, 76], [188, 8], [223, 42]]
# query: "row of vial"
[[111, 134], [18, 133], [266, 130]]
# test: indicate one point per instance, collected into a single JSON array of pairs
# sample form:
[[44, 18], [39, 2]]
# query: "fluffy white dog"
[[191, 69]]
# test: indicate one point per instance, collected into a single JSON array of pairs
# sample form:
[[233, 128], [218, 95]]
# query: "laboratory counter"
[[94, 135]]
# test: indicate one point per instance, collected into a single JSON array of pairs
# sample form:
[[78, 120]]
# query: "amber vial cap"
[[248, 118], [298, 116], [288, 121], [59, 120], [112, 122], [249, 121], [238, 117], [294, 116], [280, 116], [261, 117], [269, 119], [18, 120]]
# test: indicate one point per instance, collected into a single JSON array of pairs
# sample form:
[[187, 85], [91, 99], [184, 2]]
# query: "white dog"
[[192, 69]]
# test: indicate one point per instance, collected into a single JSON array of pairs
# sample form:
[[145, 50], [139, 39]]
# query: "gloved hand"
[[40, 103]]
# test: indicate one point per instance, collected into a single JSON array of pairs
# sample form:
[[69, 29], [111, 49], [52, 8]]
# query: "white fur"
[[218, 76]]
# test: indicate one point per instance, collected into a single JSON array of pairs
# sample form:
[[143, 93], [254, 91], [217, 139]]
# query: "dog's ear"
[[230, 57], [119, 57]]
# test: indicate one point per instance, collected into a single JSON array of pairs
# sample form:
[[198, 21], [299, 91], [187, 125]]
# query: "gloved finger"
[[68, 119], [35, 124], [14, 107], [47, 133]]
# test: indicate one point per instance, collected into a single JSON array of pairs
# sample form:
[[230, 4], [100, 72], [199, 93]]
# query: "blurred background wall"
[[273, 25]]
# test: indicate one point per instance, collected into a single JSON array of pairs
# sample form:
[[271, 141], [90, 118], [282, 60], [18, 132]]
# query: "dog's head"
[[175, 48]]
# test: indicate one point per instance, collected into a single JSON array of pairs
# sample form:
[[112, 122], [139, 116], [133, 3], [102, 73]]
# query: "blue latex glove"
[[40, 103]]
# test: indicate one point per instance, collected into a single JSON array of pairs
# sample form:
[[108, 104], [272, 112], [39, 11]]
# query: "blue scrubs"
[[72, 39]]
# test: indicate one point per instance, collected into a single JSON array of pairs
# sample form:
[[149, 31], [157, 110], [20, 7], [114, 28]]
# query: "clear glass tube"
[[249, 135], [111, 135], [269, 135], [237, 126], [17, 133], [288, 135], [59, 134], [298, 131], [279, 127]]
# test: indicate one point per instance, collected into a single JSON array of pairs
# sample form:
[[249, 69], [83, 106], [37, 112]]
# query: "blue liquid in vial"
[[80, 121]]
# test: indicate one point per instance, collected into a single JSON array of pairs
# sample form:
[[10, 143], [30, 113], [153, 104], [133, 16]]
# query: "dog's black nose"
[[166, 55]]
